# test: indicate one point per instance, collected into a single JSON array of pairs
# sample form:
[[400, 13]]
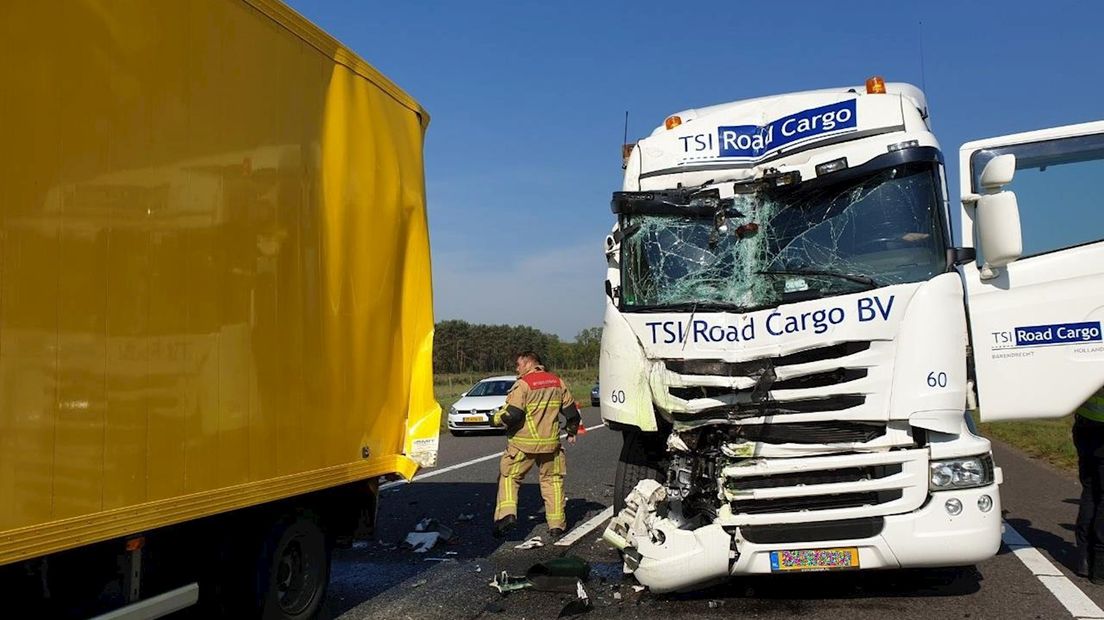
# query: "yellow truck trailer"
[[215, 307]]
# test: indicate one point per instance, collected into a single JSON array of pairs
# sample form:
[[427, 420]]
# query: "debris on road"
[[426, 534], [421, 542], [465, 517], [505, 583], [578, 606], [558, 574], [432, 525], [532, 543], [419, 583]]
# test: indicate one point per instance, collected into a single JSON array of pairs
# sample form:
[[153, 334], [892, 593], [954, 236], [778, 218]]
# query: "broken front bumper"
[[666, 558]]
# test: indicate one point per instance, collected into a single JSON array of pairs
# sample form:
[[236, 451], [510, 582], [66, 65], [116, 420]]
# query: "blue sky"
[[528, 99]]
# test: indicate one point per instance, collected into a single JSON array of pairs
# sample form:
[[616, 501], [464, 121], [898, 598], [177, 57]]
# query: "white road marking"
[[584, 529], [1068, 594], [444, 470]]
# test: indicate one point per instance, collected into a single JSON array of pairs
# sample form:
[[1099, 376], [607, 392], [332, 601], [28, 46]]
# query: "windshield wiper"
[[860, 279]]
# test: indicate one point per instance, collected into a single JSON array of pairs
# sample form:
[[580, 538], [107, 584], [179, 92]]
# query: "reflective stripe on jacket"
[[1093, 409], [532, 411]]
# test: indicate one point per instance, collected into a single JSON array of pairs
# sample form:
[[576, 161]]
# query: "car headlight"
[[453, 411], [967, 473]]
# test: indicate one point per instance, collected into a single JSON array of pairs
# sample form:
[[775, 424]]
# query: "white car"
[[474, 409]]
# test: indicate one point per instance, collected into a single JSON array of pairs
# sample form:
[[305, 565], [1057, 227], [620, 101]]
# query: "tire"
[[640, 458], [293, 570]]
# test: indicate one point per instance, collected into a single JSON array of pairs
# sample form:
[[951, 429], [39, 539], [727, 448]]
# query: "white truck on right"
[[793, 344]]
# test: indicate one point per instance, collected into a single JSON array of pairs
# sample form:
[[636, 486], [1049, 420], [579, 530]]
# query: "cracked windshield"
[[788, 245]]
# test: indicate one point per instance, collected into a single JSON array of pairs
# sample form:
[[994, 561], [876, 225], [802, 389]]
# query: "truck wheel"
[[640, 456], [294, 569]]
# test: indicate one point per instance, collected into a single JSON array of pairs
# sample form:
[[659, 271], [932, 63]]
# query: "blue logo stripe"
[[753, 141]]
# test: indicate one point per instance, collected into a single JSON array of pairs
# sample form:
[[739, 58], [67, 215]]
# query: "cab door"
[[1036, 322]]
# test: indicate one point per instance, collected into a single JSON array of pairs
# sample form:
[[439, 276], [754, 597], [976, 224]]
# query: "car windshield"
[[807, 243], [490, 388]]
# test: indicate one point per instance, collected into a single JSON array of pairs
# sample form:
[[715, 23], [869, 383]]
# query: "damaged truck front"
[[786, 345]]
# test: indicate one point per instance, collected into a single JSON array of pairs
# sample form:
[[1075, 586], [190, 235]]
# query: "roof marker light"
[[875, 85], [829, 167], [672, 121]]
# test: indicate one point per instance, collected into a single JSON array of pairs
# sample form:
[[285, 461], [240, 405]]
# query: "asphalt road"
[[382, 579]]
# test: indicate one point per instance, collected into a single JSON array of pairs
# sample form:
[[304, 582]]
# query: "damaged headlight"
[[967, 473]]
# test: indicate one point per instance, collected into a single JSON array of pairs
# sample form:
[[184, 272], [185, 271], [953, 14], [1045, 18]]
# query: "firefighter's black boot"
[[1083, 557], [504, 525], [1096, 567]]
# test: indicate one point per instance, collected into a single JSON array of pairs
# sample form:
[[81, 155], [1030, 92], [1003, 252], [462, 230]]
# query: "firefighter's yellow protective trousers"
[[552, 468]]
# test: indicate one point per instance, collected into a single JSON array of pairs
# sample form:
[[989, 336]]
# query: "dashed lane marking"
[[584, 529], [1068, 594]]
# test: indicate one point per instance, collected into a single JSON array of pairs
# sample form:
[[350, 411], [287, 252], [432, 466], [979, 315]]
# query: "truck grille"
[[718, 368], [810, 432], [849, 529], [824, 488], [755, 410], [828, 476], [826, 502], [847, 377]]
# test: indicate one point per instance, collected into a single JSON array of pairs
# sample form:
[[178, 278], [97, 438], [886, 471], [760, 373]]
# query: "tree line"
[[459, 346]]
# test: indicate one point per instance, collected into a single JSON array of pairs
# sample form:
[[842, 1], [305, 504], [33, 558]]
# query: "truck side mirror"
[[997, 216], [998, 172], [998, 225]]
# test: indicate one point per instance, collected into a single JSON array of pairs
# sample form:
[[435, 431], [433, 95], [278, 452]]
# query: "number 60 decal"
[[618, 396], [937, 379]]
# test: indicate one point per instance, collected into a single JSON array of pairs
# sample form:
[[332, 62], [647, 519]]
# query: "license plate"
[[815, 559], [474, 418]]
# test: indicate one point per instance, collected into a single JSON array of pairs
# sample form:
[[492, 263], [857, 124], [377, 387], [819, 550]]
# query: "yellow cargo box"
[[214, 267]]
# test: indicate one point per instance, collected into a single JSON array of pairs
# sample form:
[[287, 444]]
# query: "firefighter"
[[531, 417], [1088, 438]]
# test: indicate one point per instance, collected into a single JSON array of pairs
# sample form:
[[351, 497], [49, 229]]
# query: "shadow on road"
[[369, 569], [797, 593], [1057, 547]]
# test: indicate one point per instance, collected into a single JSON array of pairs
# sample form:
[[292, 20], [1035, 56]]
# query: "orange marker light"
[[875, 86], [135, 544], [672, 122]]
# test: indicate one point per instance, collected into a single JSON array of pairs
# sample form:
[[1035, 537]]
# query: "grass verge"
[[1048, 440]]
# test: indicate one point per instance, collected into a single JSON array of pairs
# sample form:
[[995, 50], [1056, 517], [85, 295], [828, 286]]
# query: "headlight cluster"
[[967, 473], [453, 411]]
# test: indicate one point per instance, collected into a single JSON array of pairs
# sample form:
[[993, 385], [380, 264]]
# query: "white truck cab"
[[792, 340]]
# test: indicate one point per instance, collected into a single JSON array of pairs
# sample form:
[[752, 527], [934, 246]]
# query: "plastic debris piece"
[[432, 525], [505, 583], [638, 588], [714, 604], [421, 542], [532, 543], [616, 596], [419, 583], [580, 605]]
